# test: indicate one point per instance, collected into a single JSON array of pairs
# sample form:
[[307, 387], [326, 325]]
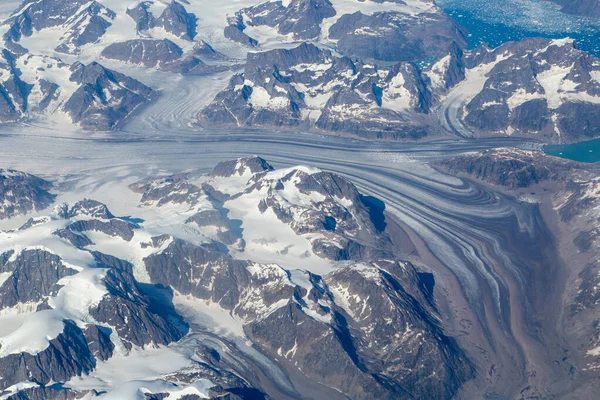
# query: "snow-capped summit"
[[548, 89], [241, 167], [83, 292], [307, 86]]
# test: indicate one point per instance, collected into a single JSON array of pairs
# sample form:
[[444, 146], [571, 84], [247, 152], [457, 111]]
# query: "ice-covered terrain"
[[146, 253], [372, 69], [196, 235], [184, 51], [442, 215]]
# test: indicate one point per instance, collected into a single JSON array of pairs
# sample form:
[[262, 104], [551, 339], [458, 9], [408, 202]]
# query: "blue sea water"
[[588, 151], [497, 22]]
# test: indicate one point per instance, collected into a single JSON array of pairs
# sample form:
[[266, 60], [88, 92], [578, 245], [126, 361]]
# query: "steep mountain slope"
[[321, 296], [547, 89], [21, 193], [536, 87], [373, 30], [89, 95], [178, 37], [307, 65], [306, 86]]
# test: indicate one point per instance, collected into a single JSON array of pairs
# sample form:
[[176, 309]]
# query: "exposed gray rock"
[[241, 166], [77, 239], [513, 169], [368, 329], [311, 87], [536, 87], [392, 36], [174, 19], [49, 91], [447, 72], [194, 270], [205, 51], [105, 98], [34, 276], [161, 54], [114, 227], [192, 65], [86, 27], [588, 295], [54, 392], [86, 207], [146, 52], [300, 18], [173, 189], [350, 226], [14, 93], [586, 8], [66, 356], [137, 318], [40, 14], [96, 217], [351, 343], [21, 193], [85, 21], [209, 218], [142, 16], [129, 313], [235, 31]]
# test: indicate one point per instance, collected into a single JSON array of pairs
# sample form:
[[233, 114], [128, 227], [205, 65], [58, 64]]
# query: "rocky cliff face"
[[174, 19], [391, 32], [301, 19], [284, 312], [308, 86], [104, 98], [328, 299], [91, 96], [391, 36], [37, 84], [373, 69], [537, 87], [164, 55], [84, 22], [21, 193]]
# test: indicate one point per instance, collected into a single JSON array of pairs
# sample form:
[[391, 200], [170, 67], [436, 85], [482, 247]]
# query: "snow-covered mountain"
[[44, 41], [372, 30], [547, 89], [206, 293], [537, 87], [21, 193], [95, 97], [307, 86], [372, 69]]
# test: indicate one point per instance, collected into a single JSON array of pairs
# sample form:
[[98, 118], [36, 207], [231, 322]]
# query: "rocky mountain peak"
[[241, 167], [22, 193]]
